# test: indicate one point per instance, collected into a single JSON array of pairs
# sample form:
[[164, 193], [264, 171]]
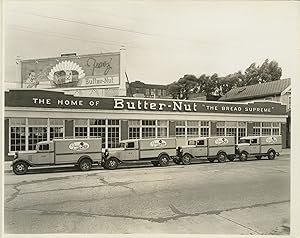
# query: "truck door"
[[254, 146], [131, 151], [44, 155], [201, 148]]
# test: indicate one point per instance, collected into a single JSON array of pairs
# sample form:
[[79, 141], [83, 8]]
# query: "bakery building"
[[33, 115]]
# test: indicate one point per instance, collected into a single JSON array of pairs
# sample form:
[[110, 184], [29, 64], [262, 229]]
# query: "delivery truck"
[[259, 146], [213, 148], [157, 151], [83, 153]]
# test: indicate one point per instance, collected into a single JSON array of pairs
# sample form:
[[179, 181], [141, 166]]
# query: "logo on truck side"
[[271, 139], [79, 146], [158, 143], [221, 141]]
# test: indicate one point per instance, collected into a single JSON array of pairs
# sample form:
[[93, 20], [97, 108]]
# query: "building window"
[[148, 132], [257, 128], [180, 128], [56, 129], [162, 129], [17, 134], [147, 92], [113, 133], [113, 137], [159, 92], [37, 131], [192, 128], [97, 129], [148, 128], [134, 129], [81, 128], [152, 91], [164, 92], [276, 128], [204, 128], [220, 128], [266, 129], [17, 139]]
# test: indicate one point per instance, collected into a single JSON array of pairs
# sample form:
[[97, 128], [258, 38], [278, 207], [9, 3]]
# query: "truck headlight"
[[106, 153], [16, 155]]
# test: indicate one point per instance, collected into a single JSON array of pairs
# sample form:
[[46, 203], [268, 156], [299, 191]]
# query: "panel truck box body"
[[259, 146], [157, 151], [80, 152], [219, 147]]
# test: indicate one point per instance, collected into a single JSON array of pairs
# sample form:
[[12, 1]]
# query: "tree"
[[215, 85], [267, 72]]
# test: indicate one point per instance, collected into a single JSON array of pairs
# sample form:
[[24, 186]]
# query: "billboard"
[[72, 71]]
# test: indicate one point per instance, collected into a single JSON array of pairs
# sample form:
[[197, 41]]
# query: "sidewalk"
[[8, 163]]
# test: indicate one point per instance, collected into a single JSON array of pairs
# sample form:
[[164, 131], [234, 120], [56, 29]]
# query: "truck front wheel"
[[111, 163], [85, 165], [222, 156], [186, 159], [163, 160], [243, 156], [20, 168], [271, 154]]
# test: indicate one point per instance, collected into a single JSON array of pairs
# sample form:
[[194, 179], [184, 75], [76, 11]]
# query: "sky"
[[164, 40]]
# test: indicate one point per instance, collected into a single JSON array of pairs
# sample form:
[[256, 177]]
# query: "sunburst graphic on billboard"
[[65, 74]]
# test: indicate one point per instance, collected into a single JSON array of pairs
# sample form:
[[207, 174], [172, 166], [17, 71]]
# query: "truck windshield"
[[191, 142], [244, 141], [122, 145]]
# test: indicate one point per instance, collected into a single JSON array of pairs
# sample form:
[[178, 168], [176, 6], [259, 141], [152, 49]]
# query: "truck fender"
[[271, 150], [84, 157], [25, 161], [221, 151], [188, 154], [113, 157], [163, 153]]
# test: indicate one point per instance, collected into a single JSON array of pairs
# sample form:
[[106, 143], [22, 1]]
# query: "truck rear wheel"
[[163, 160], [20, 168], [243, 156], [186, 159], [85, 164], [271, 154], [111, 163], [222, 156]]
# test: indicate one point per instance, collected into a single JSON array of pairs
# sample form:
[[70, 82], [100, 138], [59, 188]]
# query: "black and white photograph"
[[149, 118]]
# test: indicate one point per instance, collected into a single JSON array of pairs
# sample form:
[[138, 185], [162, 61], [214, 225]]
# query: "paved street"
[[250, 197]]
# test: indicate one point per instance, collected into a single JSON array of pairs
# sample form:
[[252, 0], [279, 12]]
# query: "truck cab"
[[156, 151], [220, 148], [259, 146]]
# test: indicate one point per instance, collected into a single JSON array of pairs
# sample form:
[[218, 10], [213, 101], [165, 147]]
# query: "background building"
[[278, 91], [140, 89]]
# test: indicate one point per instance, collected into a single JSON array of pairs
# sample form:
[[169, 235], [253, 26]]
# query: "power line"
[[70, 38], [91, 24], [35, 30]]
